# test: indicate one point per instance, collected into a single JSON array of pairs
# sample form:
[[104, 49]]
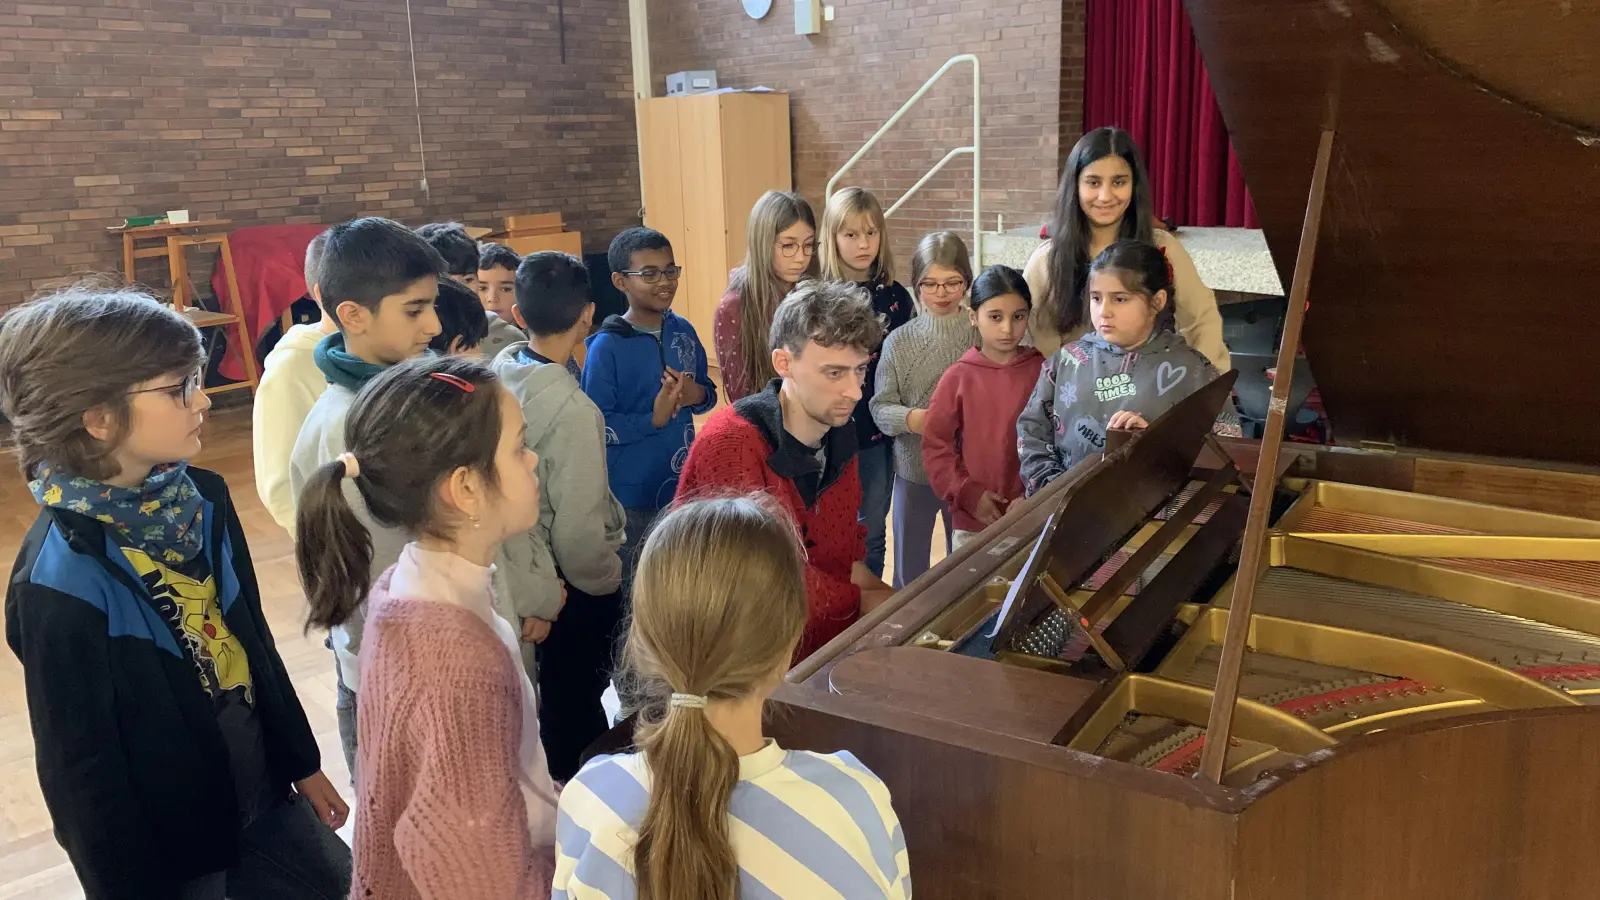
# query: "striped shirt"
[[803, 825]]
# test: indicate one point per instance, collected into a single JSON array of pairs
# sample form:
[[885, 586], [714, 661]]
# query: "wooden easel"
[[175, 239]]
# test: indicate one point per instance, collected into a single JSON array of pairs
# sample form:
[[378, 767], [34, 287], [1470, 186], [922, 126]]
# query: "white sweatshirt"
[[290, 386]]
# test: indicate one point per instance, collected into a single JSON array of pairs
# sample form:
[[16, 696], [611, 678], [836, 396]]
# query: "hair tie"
[[352, 469], [454, 380], [687, 701]]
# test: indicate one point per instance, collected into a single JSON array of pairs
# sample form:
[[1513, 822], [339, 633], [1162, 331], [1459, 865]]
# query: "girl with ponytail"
[[455, 798], [708, 809]]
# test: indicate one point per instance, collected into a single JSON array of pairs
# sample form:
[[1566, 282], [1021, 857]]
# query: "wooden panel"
[[662, 171], [755, 142], [535, 223], [1418, 253], [988, 816], [705, 274], [1021, 702], [563, 242], [1563, 493], [1483, 808]]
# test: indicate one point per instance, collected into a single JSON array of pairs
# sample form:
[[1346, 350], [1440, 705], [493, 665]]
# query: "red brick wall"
[[302, 111], [846, 81]]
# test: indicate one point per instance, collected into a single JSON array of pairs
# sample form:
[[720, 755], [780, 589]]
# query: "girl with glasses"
[[914, 358], [781, 251]]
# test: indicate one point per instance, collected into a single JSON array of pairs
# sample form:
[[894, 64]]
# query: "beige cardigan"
[[1198, 319]]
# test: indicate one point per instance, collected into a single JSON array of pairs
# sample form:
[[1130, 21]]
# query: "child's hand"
[[534, 631], [324, 798], [915, 419], [991, 507], [1129, 420], [668, 399], [694, 393]]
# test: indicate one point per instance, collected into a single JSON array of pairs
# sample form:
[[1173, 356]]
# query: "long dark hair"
[[719, 604], [1144, 270], [1068, 262], [409, 428]]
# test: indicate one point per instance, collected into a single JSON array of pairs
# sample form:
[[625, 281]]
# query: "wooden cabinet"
[[707, 158]]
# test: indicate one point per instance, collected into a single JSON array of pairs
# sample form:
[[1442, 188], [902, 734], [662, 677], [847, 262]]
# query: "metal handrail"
[[974, 149]]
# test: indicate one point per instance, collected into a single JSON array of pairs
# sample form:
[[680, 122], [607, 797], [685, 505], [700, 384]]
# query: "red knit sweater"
[[734, 453], [969, 441]]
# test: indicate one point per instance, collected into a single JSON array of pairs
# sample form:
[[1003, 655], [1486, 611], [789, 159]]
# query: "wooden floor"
[[32, 865]]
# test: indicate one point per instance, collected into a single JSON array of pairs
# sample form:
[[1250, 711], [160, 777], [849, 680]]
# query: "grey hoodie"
[[1088, 380], [321, 440], [580, 524]]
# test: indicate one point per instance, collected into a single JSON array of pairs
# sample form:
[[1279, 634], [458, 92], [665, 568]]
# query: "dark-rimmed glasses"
[[183, 391], [654, 276]]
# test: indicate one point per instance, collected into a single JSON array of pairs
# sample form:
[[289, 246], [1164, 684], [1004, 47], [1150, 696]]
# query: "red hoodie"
[[969, 441], [742, 450]]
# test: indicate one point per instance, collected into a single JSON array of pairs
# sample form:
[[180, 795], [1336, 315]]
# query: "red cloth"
[[969, 440], [270, 263], [725, 337], [1143, 73], [730, 455]]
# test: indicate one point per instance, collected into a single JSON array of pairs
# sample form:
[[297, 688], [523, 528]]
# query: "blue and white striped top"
[[804, 825]]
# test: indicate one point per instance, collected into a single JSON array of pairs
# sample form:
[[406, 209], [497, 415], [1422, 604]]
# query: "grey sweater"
[[581, 524], [321, 440], [914, 358]]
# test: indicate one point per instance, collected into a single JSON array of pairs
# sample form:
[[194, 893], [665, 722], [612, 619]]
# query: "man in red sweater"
[[795, 441]]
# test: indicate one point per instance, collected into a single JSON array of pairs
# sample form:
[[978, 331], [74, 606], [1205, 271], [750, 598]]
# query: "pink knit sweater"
[[447, 806]]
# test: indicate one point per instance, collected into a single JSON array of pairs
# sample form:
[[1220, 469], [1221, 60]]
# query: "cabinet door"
[[705, 274], [662, 168], [755, 151]]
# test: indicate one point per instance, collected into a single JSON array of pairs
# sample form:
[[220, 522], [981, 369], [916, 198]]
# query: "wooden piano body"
[[1416, 706]]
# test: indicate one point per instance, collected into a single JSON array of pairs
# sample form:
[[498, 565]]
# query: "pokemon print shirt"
[[185, 595], [1087, 381]]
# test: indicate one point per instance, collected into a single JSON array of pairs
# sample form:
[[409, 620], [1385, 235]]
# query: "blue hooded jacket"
[[622, 375]]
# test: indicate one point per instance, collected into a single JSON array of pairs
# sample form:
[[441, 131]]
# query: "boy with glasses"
[[172, 751], [646, 370]]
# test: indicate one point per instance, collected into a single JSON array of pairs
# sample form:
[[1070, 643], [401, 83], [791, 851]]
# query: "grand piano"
[[1411, 690]]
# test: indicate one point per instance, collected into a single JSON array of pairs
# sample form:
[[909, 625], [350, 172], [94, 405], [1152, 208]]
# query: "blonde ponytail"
[[718, 607]]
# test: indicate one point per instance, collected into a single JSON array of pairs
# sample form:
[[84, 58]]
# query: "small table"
[[175, 239]]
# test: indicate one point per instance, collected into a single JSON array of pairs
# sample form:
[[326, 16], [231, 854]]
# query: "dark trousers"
[[574, 670], [285, 854]]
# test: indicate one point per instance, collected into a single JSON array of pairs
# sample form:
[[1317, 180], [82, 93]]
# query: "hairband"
[[454, 380], [352, 469], [690, 701]]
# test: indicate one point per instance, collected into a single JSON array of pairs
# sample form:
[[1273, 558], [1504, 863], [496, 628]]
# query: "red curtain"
[[1143, 73]]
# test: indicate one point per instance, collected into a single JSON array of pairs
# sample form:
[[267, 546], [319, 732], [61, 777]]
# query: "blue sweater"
[[622, 375]]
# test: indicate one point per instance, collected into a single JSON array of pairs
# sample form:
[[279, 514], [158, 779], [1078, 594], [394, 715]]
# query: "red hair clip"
[[455, 380], [1170, 276]]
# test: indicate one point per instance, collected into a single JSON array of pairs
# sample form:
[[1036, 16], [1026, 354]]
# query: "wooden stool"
[[175, 241]]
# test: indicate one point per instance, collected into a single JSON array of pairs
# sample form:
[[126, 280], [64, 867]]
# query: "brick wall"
[[846, 81], [302, 111]]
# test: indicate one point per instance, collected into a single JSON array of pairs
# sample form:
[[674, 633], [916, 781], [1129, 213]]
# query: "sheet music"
[[1025, 578]]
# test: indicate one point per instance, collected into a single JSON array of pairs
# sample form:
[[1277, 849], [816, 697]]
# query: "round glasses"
[[183, 392], [789, 250]]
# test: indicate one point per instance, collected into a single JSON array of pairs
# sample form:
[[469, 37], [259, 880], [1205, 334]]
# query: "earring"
[[475, 523]]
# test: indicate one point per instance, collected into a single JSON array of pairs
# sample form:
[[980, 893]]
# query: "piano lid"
[[1454, 294]]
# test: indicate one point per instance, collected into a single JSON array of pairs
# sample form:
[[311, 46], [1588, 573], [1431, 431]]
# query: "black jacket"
[[893, 302], [131, 759]]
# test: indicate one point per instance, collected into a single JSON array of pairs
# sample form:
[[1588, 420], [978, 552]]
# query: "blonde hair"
[[941, 248], [718, 606], [841, 208], [759, 290]]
